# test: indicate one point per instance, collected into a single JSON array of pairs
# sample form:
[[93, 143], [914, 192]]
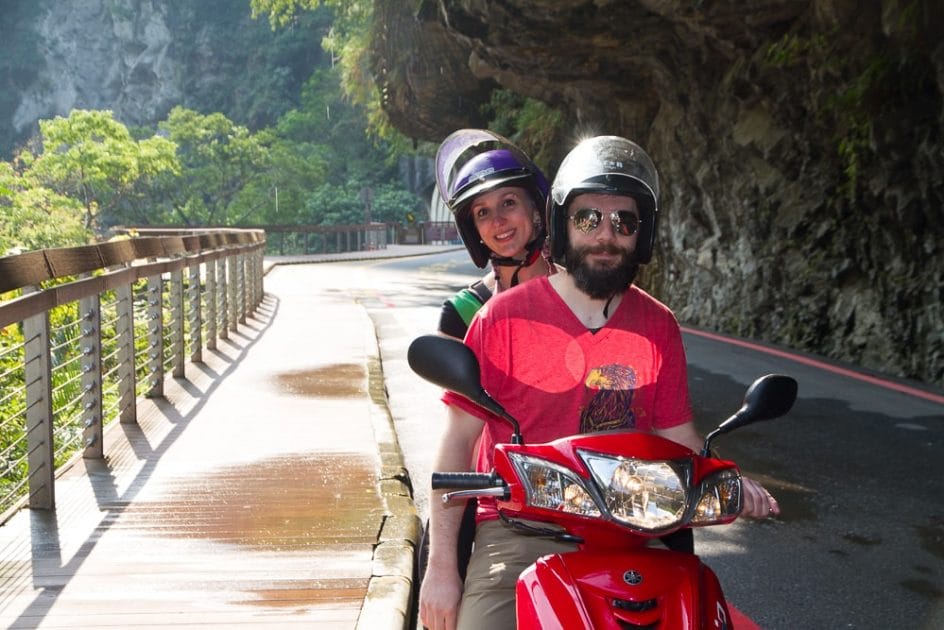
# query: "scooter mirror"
[[446, 362], [767, 398], [770, 397], [452, 365]]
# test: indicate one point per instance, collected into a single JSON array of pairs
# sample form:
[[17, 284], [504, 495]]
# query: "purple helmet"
[[487, 171]]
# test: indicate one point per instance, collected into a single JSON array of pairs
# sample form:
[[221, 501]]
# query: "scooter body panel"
[[647, 588]]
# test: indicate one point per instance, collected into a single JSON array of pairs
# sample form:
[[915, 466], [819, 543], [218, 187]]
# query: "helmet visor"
[[460, 147]]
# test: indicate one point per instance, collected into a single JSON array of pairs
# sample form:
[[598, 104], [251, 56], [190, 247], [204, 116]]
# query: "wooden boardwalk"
[[245, 498]]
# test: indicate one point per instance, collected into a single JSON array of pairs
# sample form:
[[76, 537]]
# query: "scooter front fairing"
[[645, 588]]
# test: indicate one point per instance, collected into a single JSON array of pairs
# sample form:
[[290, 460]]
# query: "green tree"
[[296, 168], [536, 127], [34, 217], [348, 41], [222, 167], [392, 204], [346, 204], [328, 130], [283, 12], [92, 158]]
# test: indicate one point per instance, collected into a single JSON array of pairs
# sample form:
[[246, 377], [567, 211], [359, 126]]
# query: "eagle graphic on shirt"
[[610, 407]]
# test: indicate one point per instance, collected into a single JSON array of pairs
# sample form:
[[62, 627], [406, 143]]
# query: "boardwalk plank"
[[244, 499]]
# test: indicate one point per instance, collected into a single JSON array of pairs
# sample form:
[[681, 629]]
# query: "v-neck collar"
[[577, 327]]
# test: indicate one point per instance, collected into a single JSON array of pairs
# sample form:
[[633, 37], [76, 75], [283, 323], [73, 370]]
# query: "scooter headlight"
[[719, 498], [553, 487], [648, 495]]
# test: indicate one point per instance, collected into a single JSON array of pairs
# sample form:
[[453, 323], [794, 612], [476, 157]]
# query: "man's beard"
[[600, 282]]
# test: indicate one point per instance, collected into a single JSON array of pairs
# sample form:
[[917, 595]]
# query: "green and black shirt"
[[458, 310]]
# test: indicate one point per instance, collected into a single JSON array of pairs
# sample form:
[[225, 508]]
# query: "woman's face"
[[504, 218]]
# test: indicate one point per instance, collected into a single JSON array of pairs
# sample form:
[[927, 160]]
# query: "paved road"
[[855, 465]]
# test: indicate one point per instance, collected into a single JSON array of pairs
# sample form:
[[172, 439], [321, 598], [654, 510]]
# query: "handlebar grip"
[[462, 480]]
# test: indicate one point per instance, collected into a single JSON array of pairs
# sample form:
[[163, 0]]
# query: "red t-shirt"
[[558, 378]]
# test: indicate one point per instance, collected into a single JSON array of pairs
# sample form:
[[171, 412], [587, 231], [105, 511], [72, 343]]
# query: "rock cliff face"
[[139, 58], [96, 57], [799, 145]]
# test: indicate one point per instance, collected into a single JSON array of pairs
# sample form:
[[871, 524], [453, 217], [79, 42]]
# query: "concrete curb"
[[388, 603]]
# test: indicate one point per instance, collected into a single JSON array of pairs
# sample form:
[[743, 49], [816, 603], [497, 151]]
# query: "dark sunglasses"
[[588, 219]]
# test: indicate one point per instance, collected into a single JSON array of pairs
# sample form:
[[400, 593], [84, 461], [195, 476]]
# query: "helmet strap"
[[534, 251], [509, 262]]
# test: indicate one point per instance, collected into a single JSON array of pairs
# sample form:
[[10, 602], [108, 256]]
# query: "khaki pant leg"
[[499, 557]]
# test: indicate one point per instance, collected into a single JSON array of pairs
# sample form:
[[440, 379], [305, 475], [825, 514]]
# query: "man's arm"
[[758, 503], [442, 589]]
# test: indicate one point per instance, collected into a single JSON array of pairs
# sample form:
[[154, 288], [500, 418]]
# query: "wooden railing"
[[90, 329]]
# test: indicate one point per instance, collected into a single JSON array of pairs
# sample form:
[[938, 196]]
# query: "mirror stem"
[[706, 449], [515, 430]]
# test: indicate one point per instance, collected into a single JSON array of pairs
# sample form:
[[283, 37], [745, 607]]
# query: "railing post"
[[196, 313], [39, 420], [250, 282], [260, 275], [178, 349], [244, 288], [128, 409], [251, 261], [223, 288], [155, 317], [256, 259], [233, 287], [90, 310], [210, 271], [236, 280]]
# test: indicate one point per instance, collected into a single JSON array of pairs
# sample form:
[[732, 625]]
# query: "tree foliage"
[[92, 158], [352, 203], [219, 161], [535, 126], [316, 164], [348, 41], [329, 130], [36, 217], [283, 12]]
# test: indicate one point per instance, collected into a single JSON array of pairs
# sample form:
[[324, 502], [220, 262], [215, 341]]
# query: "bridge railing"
[[86, 331], [328, 239], [314, 239], [331, 239]]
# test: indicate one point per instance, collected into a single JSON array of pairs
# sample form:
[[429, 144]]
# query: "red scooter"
[[612, 493]]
